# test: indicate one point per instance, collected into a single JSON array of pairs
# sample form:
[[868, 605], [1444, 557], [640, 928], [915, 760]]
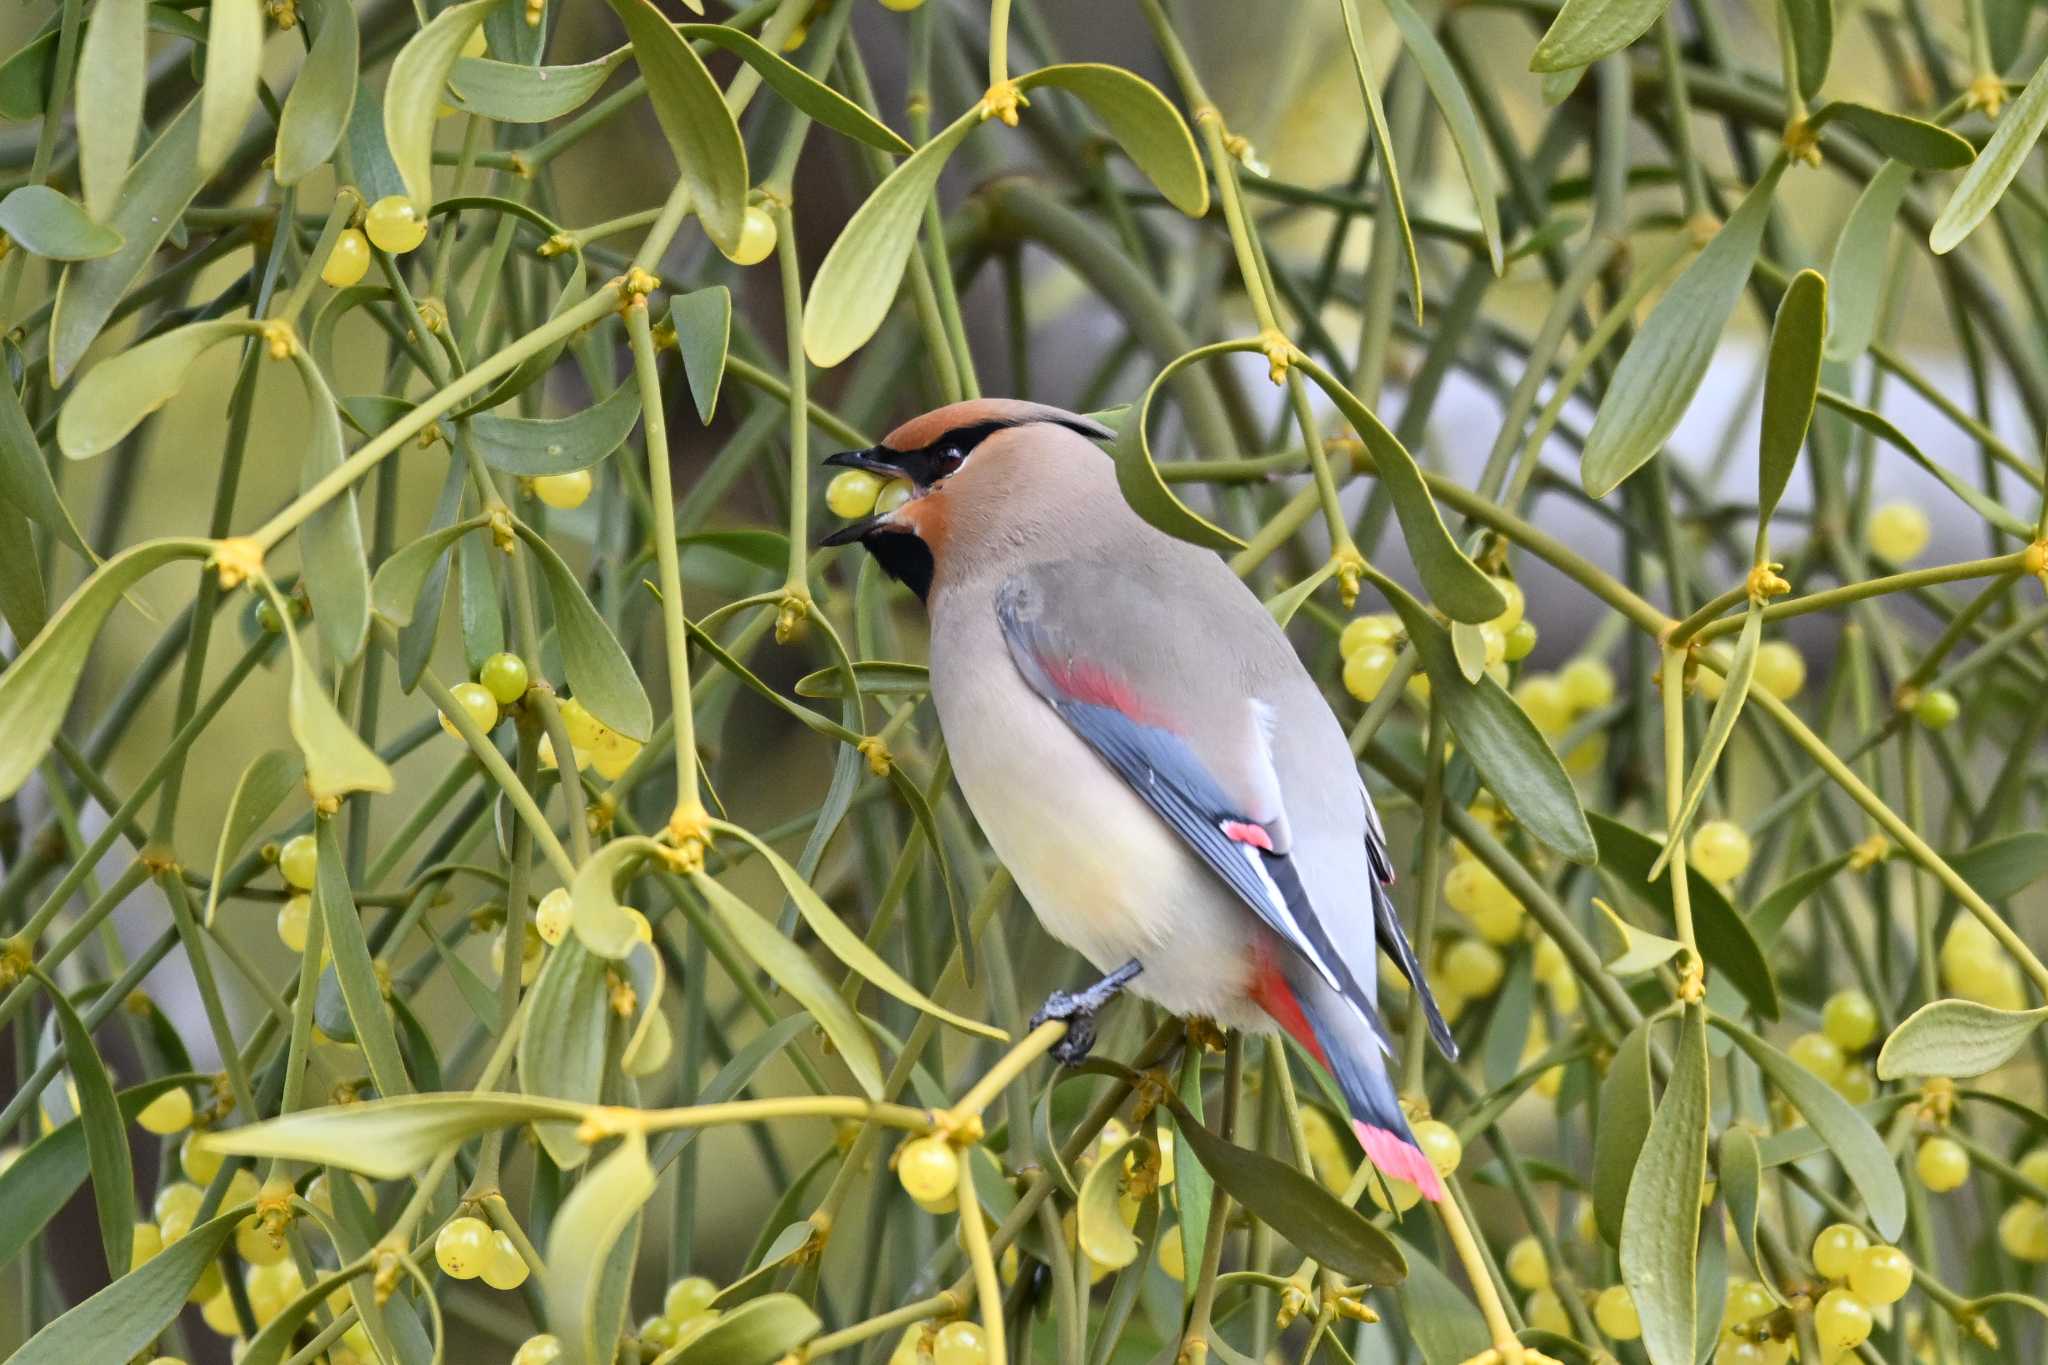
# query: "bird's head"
[[980, 474]]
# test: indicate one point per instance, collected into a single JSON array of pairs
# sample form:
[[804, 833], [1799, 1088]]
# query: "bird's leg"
[[1078, 1009], [1507, 1349]]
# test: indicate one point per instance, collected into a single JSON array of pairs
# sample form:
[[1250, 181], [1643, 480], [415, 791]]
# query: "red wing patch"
[[1271, 993], [1245, 833], [1082, 681]]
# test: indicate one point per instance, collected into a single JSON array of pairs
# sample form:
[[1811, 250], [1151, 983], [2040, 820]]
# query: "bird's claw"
[[1512, 1352], [1079, 1014]]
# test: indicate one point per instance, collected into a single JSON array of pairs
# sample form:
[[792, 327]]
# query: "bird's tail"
[[1337, 1034]]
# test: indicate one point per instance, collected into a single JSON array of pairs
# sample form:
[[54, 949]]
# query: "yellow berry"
[[297, 859], [901, 6], [1850, 1018], [170, 1112], [218, 1313], [757, 237], [348, 261], [200, 1164], [1521, 641], [1898, 531], [1780, 669], [1740, 1351], [504, 677], [272, 1288], [657, 1333], [2023, 1231], [207, 1285], [1937, 708], [960, 1343], [688, 1298], [1856, 1084], [1525, 1265], [529, 958], [544, 1349], [1614, 1313], [254, 1244], [1588, 683], [293, 917], [551, 916], [394, 224], [504, 1267], [563, 491], [148, 1240], [894, 494], [1548, 965], [462, 1246], [1439, 1142], [1745, 1302], [177, 1200], [1841, 1319], [1512, 615], [475, 699], [851, 494], [1836, 1248], [1942, 1164], [1367, 669], [2034, 1166], [1173, 1255], [584, 729], [1472, 889], [1380, 628], [1472, 969], [1720, 850], [1543, 697], [613, 755], [1881, 1275], [1417, 688], [1545, 1312], [1818, 1054], [929, 1168]]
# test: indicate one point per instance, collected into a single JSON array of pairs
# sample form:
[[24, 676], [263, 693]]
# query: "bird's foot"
[[1512, 1352], [1077, 1009]]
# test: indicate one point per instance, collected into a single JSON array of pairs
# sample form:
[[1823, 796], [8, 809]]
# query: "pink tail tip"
[[1400, 1158]]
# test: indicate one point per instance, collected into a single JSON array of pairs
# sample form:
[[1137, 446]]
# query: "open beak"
[[875, 460]]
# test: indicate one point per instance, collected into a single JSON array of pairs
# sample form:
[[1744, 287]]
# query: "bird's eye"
[[945, 460]]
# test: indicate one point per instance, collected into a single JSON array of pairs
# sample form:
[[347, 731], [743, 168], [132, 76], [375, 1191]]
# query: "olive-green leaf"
[[2004, 866], [262, 788], [600, 922], [2019, 128], [755, 1333], [36, 688], [1446, 1327], [395, 591], [856, 284], [1768, 918], [57, 228], [562, 1047], [337, 574], [317, 108], [1382, 143], [1143, 122], [1859, 256], [603, 1209], [1791, 379], [1957, 1038], [1295, 1206], [1848, 1134], [1739, 1167], [42, 1179], [1099, 1228], [703, 322], [800, 88], [1660, 1225], [120, 1321], [24, 602], [793, 970], [1454, 582], [337, 760], [106, 1138], [26, 484], [1641, 950], [416, 89], [361, 989], [1137, 473], [874, 677], [530, 446], [1720, 728], [26, 78], [152, 202], [600, 674], [1587, 30], [1663, 366], [1282, 606], [1448, 90], [513, 92], [386, 1138], [1626, 1103], [235, 31], [1515, 761], [119, 392], [710, 157], [1725, 939], [112, 78], [1811, 24], [1922, 145], [1882, 427]]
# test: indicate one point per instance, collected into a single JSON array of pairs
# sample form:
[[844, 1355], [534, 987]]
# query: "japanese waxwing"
[[1144, 750]]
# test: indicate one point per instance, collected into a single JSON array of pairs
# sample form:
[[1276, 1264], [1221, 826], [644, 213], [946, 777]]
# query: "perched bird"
[[1144, 750]]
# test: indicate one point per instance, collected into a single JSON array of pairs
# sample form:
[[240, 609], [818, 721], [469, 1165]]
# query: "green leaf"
[[764, 549], [1293, 1205], [2019, 128], [121, 1320], [316, 111], [353, 968], [416, 89], [1725, 939], [26, 484], [1447, 1329], [119, 392], [235, 30], [600, 1214], [1137, 474], [106, 1138], [1660, 1227], [857, 283], [703, 322], [36, 688], [792, 969], [1955, 1038], [2003, 867], [27, 77], [1626, 1103], [1283, 605], [1451, 97], [262, 788], [530, 446], [562, 1047], [152, 201], [513, 92], [395, 591], [1791, 379], [1847, 1133], [600, 922], [42, 1179], [1919, 144], [48, 224], [804, 91], [1099, 1229], [1515, 761], [1770, 914], [388, 1139], [1720, 725], [24, 604], [1641, 950], [113, 76], [874, 677], [337, 760], [711, 160], [1663, 366], [1811, 25], [337, 570], [1740, 1168], [1859, 256], [1454, 582], [1382, 143], [1881, 427], [755, 1333], [600, 674], [1143, 122], [1587, 30], [483, 623]]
